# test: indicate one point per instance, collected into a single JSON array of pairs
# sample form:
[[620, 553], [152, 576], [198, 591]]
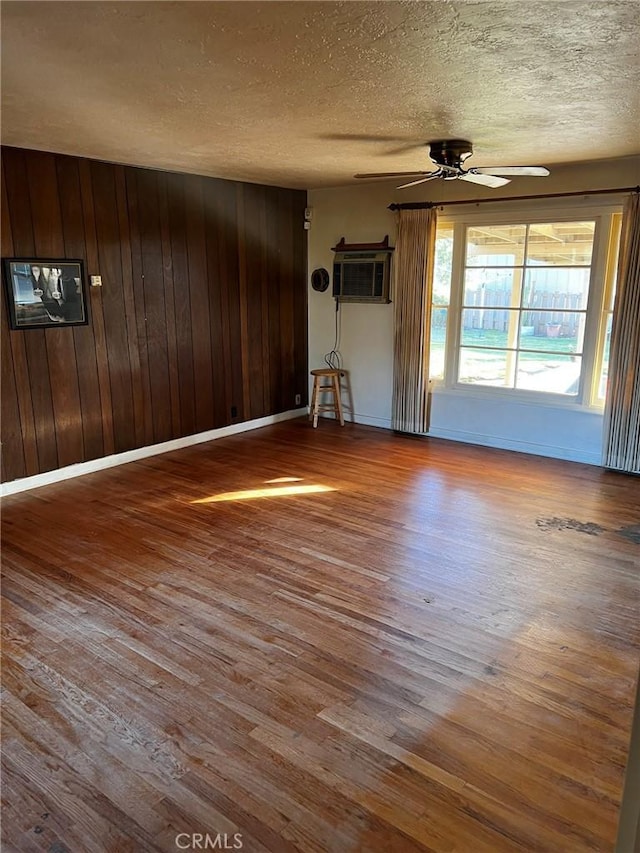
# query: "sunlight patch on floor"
[[273, 492]]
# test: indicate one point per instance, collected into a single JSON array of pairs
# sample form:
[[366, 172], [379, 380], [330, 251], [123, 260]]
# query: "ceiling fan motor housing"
[[450, 152]]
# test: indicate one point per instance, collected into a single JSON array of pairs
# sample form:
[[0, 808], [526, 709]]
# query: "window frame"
[[435, 306], [599, 284], [606, 304]]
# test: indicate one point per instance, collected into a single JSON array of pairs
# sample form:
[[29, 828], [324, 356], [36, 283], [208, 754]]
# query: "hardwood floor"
[[437, 652]]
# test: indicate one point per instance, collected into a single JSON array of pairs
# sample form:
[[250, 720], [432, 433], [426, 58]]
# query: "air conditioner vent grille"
[[362, 277]]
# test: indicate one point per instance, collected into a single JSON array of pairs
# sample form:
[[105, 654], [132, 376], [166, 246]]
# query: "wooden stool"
[[331, 386]]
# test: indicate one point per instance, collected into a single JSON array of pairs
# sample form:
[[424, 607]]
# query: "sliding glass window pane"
[[558, 332], [496, 245], [487, 327], [484, 367], [561, 243], [490, 286], [556, 289], [438, 342], [553, 373]]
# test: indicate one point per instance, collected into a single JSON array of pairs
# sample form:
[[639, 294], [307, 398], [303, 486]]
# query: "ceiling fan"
[[449, 155]]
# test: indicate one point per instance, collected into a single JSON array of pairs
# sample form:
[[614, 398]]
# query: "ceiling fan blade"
[[533, 171], [392, 174], [485, 180], [429, 177]]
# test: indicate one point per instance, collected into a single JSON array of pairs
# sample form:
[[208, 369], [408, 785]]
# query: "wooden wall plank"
[[84, 342], [199, 299], [65, 395], [169, 305], [182, 301], [113, 306], [226, 218], [16, 184], [242, 299], [38, 375], [61, 355], [287, 334], [13, 461], [96, 315], [198, 316], [39, 381], [14, 425], [45, 205], [28, 341], [129, 305], [217, 310], [273, 278], [154, 303], [253, 240], [267, 403], [138, 304], [300, 297]]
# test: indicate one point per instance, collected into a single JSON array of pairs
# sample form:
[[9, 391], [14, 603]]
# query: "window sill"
[[521, 398]]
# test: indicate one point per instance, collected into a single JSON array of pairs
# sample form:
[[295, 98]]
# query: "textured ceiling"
[[305, 94]]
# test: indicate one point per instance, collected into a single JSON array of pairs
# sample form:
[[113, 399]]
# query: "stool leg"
[[344, 376], [338, 398], [316, 404], [314, 394]]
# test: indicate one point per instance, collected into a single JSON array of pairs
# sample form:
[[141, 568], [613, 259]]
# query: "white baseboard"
[[365, 420], [93, 465], [551, 451], [565, 453]]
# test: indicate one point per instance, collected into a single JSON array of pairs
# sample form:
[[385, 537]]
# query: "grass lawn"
[[553, 366]]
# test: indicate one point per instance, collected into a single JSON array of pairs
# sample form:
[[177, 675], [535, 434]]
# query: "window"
[[526, 305]]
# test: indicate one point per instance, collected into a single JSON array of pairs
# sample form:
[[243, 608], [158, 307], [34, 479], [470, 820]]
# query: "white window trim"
[[513, 213], [605, 302]]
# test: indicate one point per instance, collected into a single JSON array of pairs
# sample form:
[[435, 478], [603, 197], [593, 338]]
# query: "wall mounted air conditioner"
[[362, 271]]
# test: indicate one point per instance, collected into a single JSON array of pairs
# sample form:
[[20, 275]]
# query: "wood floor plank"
[[435, 651]]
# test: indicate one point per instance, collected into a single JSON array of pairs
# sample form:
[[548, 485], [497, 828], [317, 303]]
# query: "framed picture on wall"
[[45, 292]]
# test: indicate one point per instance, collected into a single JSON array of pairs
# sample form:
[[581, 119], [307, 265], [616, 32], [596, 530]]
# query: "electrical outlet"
[[234, 411], [298, 399]]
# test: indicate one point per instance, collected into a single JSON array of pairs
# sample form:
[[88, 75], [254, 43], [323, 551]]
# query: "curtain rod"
[[425, 205]]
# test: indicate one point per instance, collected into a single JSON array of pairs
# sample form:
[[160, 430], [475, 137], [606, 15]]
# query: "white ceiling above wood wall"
[[305, 94]]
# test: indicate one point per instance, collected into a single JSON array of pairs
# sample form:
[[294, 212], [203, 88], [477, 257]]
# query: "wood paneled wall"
[[203, 308]]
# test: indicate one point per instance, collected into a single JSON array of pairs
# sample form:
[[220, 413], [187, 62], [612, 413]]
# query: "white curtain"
[[412, 288], [622, 407]]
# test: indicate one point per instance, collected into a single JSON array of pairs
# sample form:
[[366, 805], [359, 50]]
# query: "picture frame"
[[45, 293]]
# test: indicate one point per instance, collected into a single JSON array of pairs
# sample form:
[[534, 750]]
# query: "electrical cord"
[[333, 359]]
